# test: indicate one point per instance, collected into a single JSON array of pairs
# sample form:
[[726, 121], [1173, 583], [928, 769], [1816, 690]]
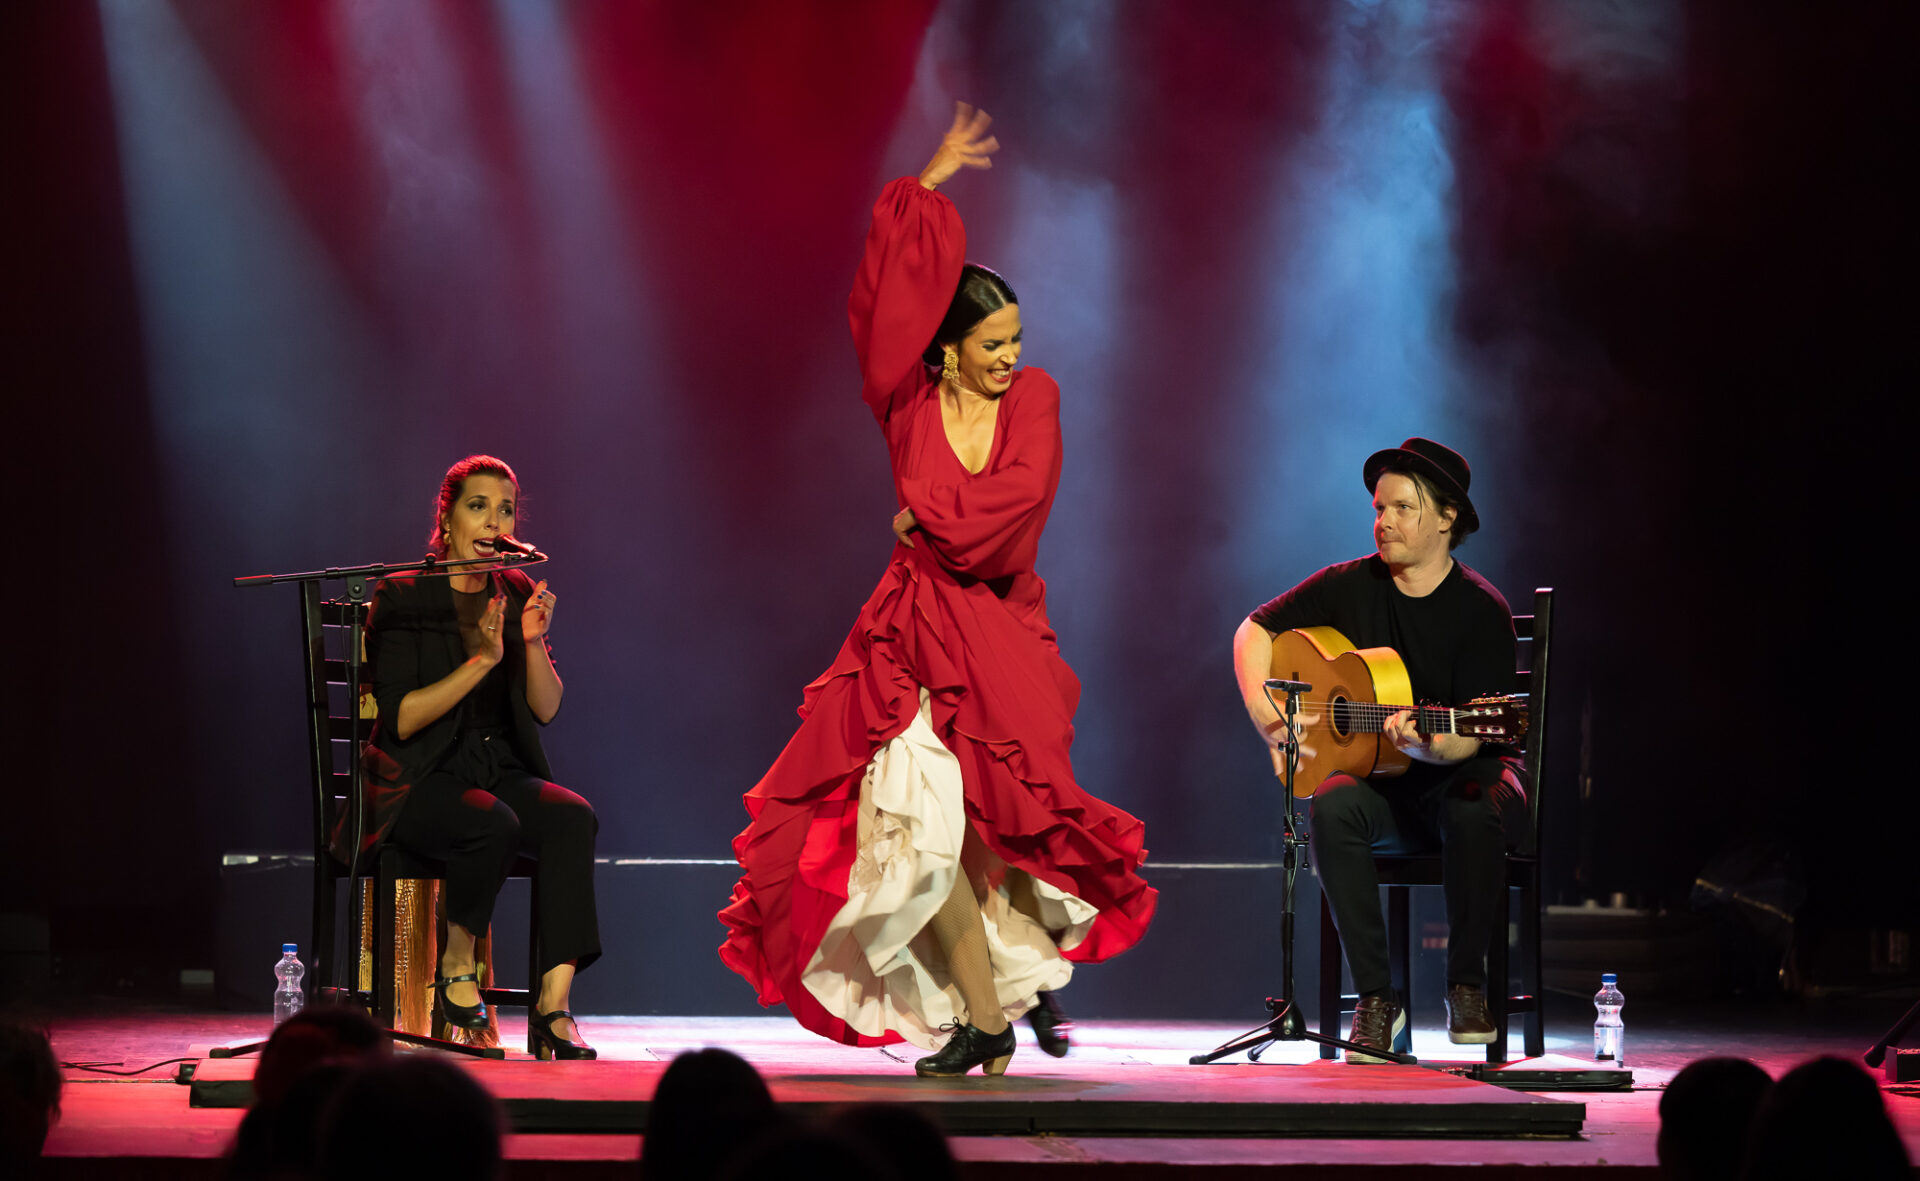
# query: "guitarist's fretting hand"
[[1438, 748]]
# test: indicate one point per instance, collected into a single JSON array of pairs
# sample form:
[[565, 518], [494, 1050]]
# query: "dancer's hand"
[[903, 524], [965, 145]]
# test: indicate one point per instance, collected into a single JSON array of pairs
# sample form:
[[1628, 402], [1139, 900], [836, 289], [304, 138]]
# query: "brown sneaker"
[[1379, 1024], [1467, 1020]]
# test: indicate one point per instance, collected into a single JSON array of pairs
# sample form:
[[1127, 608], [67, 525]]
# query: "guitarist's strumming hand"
[[1436, 748], [1278, 741]]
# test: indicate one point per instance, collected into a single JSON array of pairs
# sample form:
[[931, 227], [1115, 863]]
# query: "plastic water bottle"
[[288, 998], [1609, 1032]]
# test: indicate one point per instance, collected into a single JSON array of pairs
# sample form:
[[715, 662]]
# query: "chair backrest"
[[1534, 652], [333, 739]]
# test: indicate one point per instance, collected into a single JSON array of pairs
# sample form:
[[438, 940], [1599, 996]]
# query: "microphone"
[[513, 547], [1289, 686]]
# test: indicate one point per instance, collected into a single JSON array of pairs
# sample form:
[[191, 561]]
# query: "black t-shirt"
[[1457, 642]]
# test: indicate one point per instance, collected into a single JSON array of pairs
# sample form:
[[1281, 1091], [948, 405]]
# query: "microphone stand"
[[1890, 1040], [1286, 1024], [357, 579]]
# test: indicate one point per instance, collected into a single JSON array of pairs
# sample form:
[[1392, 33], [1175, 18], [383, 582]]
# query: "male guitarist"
[[1454, 632]]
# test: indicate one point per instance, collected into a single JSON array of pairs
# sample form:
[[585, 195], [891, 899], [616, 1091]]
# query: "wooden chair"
[[1401, 874], [335, 735]]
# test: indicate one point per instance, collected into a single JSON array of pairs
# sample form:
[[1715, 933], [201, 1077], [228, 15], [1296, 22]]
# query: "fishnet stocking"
[[1022, 896], [962, 936]]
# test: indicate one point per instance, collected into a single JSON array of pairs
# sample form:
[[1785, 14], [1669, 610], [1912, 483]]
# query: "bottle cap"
[[1609, 978], [289, 947]]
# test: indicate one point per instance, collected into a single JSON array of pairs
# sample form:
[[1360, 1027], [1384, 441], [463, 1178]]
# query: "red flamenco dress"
[[948, 710]]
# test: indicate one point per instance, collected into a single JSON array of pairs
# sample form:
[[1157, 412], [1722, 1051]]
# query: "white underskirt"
[[879, 966]]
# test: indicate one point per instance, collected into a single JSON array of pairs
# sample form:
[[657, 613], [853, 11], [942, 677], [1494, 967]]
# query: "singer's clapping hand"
[[538, 616], [490, 642]]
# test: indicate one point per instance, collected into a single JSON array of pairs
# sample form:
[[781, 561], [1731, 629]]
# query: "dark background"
[[271, 268]]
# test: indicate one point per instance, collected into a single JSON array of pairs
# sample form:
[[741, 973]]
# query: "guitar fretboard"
[[1367, 717]]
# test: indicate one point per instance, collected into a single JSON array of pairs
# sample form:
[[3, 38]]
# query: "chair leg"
[[385, 1007], [1535, 1029], [1330, 1009], [1499, 982], [357, 920], [533, 958], [320, 947], [1399, 945]]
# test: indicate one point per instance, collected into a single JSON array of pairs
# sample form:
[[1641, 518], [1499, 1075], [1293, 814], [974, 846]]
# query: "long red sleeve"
[[906, 281], [989, 526]]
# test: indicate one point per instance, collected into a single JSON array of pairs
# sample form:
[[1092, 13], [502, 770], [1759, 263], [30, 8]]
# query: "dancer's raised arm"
[[907, 277]]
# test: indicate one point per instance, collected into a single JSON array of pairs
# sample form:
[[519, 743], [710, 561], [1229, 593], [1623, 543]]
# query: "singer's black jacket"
[[413, 640]]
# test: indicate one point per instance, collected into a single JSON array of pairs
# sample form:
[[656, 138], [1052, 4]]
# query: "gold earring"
[[951, 370]]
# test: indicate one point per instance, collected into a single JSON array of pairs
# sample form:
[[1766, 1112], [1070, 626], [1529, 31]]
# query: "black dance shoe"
[[464, 1016], [547, 1045], [1050, 1026], [969, 1048]]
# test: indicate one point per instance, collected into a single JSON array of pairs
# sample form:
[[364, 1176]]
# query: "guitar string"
[[1383, 711], [1349, 703], [1363, 713], [1371, 709], [1367, 717]]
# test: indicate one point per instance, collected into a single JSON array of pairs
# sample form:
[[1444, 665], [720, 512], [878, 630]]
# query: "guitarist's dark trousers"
[[1472, 813]]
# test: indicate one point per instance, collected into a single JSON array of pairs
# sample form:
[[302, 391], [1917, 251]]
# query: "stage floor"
[[1086, 1112]]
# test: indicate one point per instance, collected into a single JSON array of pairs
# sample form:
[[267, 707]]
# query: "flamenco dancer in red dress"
[[920, 861]]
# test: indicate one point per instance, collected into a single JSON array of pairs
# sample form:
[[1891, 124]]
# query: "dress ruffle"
[[878, 967], [999, 705]]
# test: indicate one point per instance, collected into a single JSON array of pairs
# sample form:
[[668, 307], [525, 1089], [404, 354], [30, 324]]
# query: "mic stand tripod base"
[[1286, 1026]]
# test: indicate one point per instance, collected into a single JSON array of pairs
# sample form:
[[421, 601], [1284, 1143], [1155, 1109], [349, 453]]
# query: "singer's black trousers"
[[477, 813], [1472, 813]]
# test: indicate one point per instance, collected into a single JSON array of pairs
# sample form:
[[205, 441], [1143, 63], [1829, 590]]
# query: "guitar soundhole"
[[1342, 712]]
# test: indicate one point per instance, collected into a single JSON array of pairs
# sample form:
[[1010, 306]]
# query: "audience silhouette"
[[1704, 1117], [29, 1091], [1825, 1118], [305, 1060], [709, 1105], [407, 1118]]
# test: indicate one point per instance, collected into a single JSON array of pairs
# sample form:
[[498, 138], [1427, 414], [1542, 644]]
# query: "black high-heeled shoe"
[[547, 1045], [464, 1016], [969, 1047], [1051, 1026]]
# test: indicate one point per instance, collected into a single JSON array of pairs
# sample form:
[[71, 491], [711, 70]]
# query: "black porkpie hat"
[[1444, 466]]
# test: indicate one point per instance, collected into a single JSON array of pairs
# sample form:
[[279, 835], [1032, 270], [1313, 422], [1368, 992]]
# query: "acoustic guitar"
[[1355, 690]]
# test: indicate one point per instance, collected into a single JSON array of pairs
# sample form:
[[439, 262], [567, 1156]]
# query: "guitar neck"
[[1366, 717]]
